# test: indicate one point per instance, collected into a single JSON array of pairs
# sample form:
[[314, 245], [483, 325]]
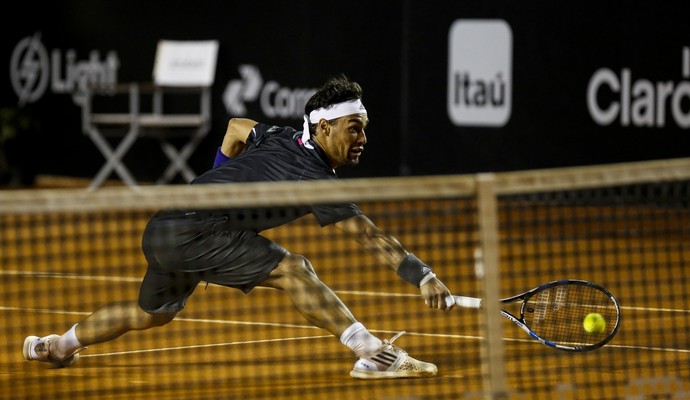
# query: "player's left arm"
[[391, 252], [235, 139]]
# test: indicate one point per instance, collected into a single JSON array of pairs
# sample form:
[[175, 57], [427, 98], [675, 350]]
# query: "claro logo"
[[275, 100], [480, 72], [639, 102]]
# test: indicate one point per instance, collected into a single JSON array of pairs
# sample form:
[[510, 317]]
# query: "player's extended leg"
[[115, 319], [313, 298], [323, 308], [106, 323]]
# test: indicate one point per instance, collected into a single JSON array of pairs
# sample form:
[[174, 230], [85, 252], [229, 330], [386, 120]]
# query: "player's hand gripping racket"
[[553, 313]]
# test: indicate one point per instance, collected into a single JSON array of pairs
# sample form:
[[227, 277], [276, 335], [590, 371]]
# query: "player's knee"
[[299, 265], [160, 319]]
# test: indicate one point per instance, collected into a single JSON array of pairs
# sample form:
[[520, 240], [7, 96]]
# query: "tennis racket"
[[553, 313]]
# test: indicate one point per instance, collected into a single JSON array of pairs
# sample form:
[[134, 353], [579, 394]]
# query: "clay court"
[[57, 267]]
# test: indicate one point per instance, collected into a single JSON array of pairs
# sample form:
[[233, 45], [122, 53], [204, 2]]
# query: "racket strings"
[[557, 314]]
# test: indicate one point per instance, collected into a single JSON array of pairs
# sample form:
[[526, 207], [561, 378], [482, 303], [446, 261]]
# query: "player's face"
[[345, 139]]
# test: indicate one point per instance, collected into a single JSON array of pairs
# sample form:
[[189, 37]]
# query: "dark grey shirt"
[[272, 153]]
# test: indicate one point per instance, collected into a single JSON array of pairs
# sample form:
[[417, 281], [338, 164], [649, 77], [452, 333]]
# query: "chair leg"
[[113, 158], [178, 163], [178, 159]]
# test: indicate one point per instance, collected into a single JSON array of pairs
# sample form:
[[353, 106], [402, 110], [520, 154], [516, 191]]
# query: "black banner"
[[450, 87]]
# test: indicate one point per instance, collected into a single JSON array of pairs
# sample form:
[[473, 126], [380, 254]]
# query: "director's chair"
[[183, 72]]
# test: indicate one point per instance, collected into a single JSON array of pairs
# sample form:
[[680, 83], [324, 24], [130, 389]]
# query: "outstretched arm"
[[235, 139], [390, 252]]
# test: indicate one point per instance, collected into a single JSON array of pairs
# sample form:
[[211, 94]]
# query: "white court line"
[[201, 346], [228, 322], [58, 275], [64, 275], [273, 324], [61, 275], [107, 278]]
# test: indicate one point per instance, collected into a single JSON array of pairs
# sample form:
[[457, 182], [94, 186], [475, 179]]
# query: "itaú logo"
[[480, 58], [640, 102]]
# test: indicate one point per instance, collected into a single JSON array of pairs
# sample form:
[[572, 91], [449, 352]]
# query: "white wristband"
[[427, 278]]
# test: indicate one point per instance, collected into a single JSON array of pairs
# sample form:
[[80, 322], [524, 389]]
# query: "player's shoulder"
[[268, 129], [278, 135]]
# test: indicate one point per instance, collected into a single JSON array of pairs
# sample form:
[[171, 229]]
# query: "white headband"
[[328, 113]]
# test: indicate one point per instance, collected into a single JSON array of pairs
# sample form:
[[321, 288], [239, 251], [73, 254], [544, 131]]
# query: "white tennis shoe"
[[38, 349], [391, 361]]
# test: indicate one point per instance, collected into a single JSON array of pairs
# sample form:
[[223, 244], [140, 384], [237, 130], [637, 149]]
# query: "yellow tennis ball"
[[594, 323]]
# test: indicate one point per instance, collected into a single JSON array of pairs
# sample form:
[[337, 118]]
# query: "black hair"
[[336, 90]]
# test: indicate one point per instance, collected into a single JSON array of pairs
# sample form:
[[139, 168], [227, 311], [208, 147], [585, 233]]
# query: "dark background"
[[397, 50]]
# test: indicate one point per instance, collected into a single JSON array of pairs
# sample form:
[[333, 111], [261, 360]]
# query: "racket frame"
[[472, 302]]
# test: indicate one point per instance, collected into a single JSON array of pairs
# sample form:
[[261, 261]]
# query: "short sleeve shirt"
[[274, 153]]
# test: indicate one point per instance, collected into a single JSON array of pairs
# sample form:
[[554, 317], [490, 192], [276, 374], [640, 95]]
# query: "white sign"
[[185, 63], [480, 72]]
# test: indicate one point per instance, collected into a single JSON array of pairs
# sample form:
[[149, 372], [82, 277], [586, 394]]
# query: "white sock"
[[66, 345], [360, 340]]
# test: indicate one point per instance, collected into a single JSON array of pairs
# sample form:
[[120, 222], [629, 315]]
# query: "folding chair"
[[181, 69]]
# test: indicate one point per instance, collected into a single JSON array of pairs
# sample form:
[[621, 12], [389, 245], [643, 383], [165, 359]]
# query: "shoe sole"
[[362, 374], [26, 349]]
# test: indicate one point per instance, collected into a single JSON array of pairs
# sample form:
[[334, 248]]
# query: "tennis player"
[[186, 247]]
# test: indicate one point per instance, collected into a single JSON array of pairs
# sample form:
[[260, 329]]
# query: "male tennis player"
[[186, 247]]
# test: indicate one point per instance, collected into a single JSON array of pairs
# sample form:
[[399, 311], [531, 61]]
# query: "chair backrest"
[[185, 63]]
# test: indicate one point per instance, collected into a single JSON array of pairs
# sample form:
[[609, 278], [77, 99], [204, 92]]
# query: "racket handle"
[[467, 302]]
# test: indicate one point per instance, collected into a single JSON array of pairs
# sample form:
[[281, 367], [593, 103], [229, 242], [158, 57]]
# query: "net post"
[[487, 269]]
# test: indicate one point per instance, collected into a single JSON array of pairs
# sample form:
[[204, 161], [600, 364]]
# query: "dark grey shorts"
[[181, 253]]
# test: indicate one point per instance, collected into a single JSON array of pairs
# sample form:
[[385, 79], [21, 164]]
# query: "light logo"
[[33, 71], [480, 72]]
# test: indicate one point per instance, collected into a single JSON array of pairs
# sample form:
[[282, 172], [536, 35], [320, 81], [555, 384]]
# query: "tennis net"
[[66, 252]]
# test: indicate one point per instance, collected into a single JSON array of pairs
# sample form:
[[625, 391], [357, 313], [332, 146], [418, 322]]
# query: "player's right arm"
[[235, 139], [390, 252]]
